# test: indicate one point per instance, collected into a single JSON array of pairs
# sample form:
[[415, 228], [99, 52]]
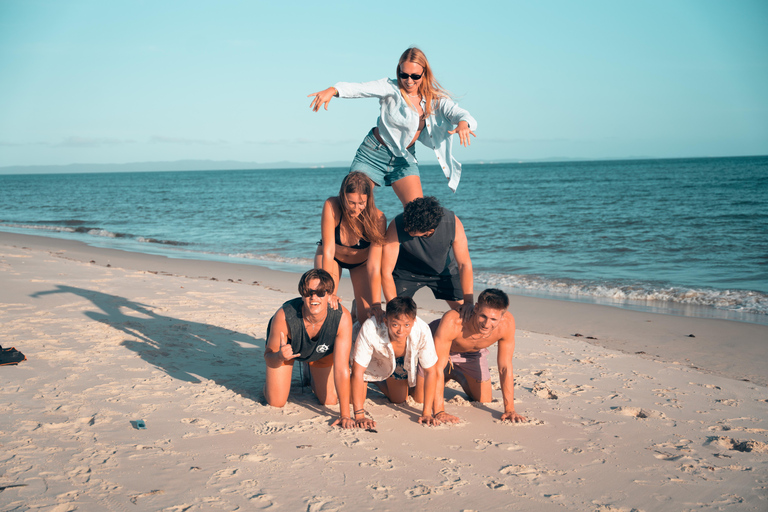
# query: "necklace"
[[313, 324]]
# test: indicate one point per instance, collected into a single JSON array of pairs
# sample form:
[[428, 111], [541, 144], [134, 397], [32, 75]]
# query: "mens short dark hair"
[[493, 298], [401, 306], [422, 214], [326, 281]]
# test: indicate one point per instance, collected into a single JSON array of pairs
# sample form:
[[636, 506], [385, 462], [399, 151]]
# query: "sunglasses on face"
[[414, 77], [318, 293]]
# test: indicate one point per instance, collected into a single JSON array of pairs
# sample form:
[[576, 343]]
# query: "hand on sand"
[[286, 351], [344, 423], [322, 98], [444, 417], [429, 420], [365, 423], [463, 130], [513, 417]]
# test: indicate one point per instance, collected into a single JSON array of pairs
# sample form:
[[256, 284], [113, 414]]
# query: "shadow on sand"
[[185, 350]]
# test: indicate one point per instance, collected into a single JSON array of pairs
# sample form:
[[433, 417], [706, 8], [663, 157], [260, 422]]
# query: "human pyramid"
[[425, 245]]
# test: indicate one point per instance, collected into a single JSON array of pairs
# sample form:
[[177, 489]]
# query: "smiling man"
[[308, 329], [462, 352]]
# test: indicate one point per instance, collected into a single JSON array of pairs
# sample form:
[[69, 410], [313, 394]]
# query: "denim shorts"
[[377, 161]]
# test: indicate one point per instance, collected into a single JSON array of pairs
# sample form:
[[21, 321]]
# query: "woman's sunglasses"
[[319, 293], [414, 77]]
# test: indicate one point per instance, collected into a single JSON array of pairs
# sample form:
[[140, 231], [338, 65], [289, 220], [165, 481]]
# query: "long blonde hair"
[[366, 225], [429, 88]]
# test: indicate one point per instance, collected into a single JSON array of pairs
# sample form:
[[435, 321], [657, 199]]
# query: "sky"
[[134, 81]]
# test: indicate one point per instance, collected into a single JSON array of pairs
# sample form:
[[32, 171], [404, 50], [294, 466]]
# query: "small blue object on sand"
[[141, 425]]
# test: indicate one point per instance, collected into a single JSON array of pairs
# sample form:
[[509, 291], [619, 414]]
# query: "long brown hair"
[[429, 88], [366, 225]]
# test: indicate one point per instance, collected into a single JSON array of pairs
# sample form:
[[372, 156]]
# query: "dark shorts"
[[444, 286], [471, 364]]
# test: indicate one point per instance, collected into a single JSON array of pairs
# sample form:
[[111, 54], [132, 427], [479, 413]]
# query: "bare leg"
[[278, 384], [418, 391], [361, 287], [323, 385], [408, 189], [395, 390], [478, 391]]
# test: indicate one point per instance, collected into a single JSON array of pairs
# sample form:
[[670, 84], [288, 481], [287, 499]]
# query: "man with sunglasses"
[[426, 246], [308, 329]]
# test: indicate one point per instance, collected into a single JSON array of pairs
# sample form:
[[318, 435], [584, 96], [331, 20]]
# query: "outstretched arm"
[[466, 276], [389, 255], [506, 373], [341, 349], [465, 123], [359, 391], [430, 382], [373, 267], [464, 132], [328, 221], [322, 98], [443, 340]]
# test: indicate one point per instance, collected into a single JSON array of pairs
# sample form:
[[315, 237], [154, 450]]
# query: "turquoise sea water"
[[683, 236]]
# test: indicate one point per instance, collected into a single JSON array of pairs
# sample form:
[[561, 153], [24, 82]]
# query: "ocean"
[[677, 236]]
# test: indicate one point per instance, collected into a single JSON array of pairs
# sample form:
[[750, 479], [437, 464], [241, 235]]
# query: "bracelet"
[[435, 415], [360, 411]]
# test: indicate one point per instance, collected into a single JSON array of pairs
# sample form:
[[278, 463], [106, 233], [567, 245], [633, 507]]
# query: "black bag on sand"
[[10, 356]]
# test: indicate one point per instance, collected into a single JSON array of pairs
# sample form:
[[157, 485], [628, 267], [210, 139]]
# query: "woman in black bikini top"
[[353, 233]]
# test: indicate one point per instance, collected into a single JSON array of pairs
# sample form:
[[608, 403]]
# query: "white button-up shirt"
[[399, 122], [374, 351]]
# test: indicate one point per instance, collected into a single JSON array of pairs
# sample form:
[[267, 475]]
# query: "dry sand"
[[114, 337]]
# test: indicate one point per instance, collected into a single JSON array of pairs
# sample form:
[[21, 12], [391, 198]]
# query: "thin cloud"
[[302, 141], [162, 139], [92, 142]]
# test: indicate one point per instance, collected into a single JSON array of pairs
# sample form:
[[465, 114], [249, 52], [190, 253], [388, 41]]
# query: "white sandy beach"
[[113, 337]]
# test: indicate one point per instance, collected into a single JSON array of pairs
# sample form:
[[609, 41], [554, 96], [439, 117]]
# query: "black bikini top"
[[361, 244]]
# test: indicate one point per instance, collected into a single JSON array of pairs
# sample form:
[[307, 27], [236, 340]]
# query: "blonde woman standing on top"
[[413, 107]]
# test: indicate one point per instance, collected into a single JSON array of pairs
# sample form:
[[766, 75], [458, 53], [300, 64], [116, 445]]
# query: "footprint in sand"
[[639, 413], [740, 446], [541, 390], [384, 463], [324, 504], [379, 492], [496, 485], [419, 490]]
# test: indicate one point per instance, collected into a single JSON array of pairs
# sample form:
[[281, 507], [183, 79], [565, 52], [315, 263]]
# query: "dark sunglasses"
[[414, 77], [319, 293]]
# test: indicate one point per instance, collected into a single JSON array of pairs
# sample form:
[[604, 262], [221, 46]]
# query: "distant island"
[[231, 165]]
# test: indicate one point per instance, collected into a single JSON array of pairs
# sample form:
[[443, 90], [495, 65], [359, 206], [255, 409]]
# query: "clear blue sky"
[[130, 81]]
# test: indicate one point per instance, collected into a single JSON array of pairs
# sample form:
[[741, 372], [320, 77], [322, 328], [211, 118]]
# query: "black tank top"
[[310, 349], [432, 255]]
